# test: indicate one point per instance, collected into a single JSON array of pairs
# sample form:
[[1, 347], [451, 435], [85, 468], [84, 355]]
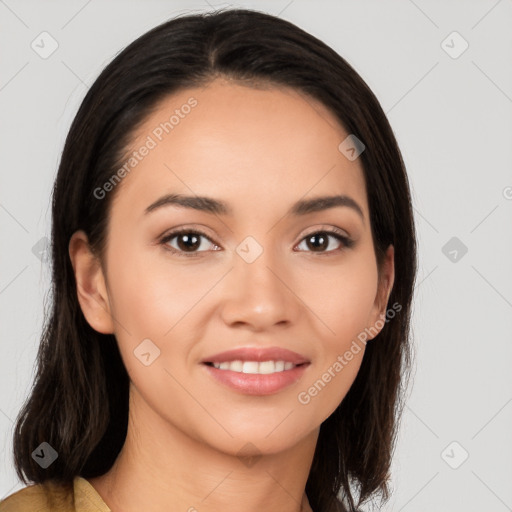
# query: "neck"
[[162, 466]]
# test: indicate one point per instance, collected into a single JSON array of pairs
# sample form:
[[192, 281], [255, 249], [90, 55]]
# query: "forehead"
[[251, 146]]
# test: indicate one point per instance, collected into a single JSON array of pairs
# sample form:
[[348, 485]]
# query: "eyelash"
[[334, 232]]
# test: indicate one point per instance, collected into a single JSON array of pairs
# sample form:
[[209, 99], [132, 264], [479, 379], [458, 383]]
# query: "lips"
[[258, 354], [278, 368]]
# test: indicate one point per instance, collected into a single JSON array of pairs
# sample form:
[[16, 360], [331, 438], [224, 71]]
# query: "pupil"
[[187, 239], [324, 241]]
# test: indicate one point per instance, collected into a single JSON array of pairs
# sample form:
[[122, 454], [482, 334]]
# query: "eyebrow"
[[214, 206]]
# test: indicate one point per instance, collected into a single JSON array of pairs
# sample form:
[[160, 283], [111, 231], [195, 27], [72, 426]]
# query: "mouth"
[[256, 370]]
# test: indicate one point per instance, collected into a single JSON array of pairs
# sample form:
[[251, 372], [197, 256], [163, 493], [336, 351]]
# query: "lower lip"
[[256, 383]]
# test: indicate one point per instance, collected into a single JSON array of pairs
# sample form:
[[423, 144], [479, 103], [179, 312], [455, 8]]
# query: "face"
[[255, 274]]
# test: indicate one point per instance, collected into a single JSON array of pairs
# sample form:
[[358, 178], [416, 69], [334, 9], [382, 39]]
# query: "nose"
[[260, 294]]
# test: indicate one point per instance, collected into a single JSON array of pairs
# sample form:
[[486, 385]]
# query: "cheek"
[[342, 300], [150, 295], [341, 296], [157, 300], [150, 305]]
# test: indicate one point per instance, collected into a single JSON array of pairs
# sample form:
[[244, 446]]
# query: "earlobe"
[[90, 284]]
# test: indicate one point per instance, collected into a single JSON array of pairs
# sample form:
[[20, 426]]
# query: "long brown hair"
[[79, 401]]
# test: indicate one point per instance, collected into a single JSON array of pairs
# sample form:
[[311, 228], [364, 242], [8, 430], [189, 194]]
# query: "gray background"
[[451, 115]]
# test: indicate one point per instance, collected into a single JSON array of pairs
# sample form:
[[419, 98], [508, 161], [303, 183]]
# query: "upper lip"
[[257, 354]]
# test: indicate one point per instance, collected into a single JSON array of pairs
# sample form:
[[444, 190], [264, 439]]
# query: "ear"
[[90, 282], [386, 281]]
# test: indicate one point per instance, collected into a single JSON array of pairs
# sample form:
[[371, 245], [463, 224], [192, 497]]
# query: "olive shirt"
[[35, 498], [84, 498]]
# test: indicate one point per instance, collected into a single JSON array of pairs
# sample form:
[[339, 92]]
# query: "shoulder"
[[47, 497], [50, 496]]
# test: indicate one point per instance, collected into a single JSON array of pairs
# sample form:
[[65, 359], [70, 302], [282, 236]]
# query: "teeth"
[[251, 367], [235, 366], [264, 367]]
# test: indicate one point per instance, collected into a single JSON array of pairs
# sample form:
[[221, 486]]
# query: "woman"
[[234, 257]]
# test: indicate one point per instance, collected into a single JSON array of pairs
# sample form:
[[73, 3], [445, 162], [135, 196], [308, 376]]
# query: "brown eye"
[[320, 241], [188, 241]]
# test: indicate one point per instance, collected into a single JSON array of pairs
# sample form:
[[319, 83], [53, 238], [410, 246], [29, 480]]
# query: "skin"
[[259, 150]]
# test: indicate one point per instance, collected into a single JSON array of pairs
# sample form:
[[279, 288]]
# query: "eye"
[[320, 240], [188, 241]]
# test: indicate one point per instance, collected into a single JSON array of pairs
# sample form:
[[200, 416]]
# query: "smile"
[[256, 370], [255, 367]]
